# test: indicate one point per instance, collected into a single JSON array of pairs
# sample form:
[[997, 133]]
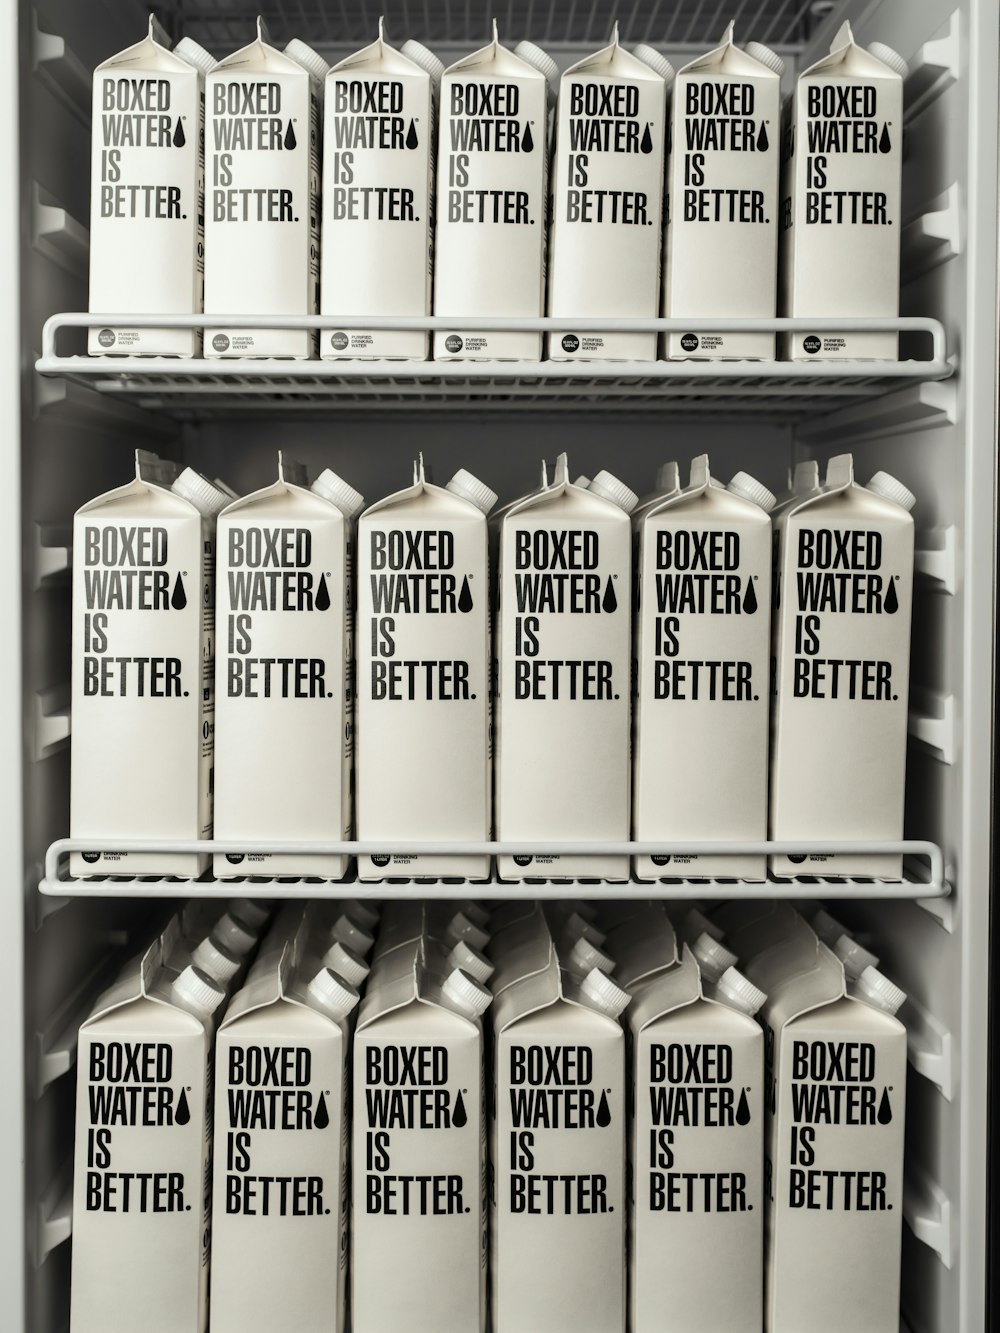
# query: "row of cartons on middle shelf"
[[660, 1159], [313, 676], [322, 196]]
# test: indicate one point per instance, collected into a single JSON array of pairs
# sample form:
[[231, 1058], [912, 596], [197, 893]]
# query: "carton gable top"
[[259, 56], [726, 58], [702, 492], [677, 988], [139, 985], [379, 58], [278, 496], [613, 61], [152, 52], [462, 509], [563, 497], [543, 990], [840, 487], [848, 60], [276, 984], [418, 984], [814, 979], [497, 61], [145, 489]]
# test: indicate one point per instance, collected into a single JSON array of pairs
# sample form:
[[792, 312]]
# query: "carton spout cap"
[[534, 55], [205, 497], [228, 932], [350, 933], [310, 60], [473, 961], [749, 488], [770, 59], [195, 54], [424, 59], [470, 488], [578, 927], [604, 994], [854, 956], [476, 912], [215, 960], [461, 928], [194, 989], [713, 958], [335, 489], [739, 992], [878, 990], [886, 486], [334, 995], [608, 487], [658, 63], [467, 993], [249, 913], [889, 57], [584, 957], [343, 960], [697, 923]]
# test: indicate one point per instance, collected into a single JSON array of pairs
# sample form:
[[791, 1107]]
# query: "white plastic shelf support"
[[932, 722], [54, 1214], [933, 68], [56, 66], [936, 559], [927, 1212], [934, 237], [51, 721], [930, 1047], [52, 553], [57, 235], [921, 406], [55, 1044]]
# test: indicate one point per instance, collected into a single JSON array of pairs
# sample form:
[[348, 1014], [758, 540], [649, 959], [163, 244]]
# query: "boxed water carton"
[[642, 946], [842, 650], [841, 210]]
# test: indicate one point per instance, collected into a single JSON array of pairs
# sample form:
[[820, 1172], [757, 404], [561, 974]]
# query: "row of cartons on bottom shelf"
[[639, 1152]]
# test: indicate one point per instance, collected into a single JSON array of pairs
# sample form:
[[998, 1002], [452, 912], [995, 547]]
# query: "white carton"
[[642, 946], [281, 1186], [836, 1086], [842, 649], [697, 1209], [142, 1166], [143, 673], [283, 675], [378, 200], [423, 664], [841, 207], [262, 205], [703, 652], [722, 235], [607, 203], [557, 1238], [147, 197], [564, 675], [491, 203], [419, 1155]]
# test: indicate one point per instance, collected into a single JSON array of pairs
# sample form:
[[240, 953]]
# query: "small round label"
[[220, 342], [381, 860], [235, 858], [796, 860], [338, 342], [453, 343], [523, 860], [91, 858], [690, 342], [570, 343], [660, 860], [106, 338], [811, 344]]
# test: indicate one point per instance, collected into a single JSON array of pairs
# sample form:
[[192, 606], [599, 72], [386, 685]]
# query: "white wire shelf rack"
[[778, 389]]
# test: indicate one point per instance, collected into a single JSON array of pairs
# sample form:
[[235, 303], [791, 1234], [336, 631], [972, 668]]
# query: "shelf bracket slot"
[[52, 553], [937, 561], [932, 722], [930, 1047], [51, 720], [927, 1212], [61, 71], [56, 234], [934, 67], [934, 237]]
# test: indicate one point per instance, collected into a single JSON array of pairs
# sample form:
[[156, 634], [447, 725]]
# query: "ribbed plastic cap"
[[198, 991], [304, 55], [712, 957], [767, 57], [346, 963], [610, 488], [464, 991], [232, 936], [697, 923], [584, 956], [461, 928], [476, 912], [889, 57], [212, 959], [535, 56], [470, 960], [578, 927], [880, 991], [740, 993], [656, 61], [335, 489], [195, 54], [249, 913], [890, 489], [827, 927], [463, 483], [353, 935], [603, 992], [361, 912], [427, 60], [333, 994], [749, 488], [853, 955], [205, 497]]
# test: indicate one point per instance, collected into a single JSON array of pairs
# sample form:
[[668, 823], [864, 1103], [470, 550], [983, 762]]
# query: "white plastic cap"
[[749, 488], [334, 994], [875, 987], [827, 927], [346, 963], [205, 497], [350, 933], [540, 60], [854, 956], [890, 489], [610, 488], [889, 57], [360, 912], [335, 489], [770, 59], [470, 960], [603, 992], [249, 913], [584, 957], [740, 993], [195, 54], [467, 993], [427, 60], [578, 927], [198, 991], [583, 481], [713, 958], [476, 912], [697, 923], [461, 928], [214, 960], [238, 939], [655, 60], [463, 483], [309, 59]]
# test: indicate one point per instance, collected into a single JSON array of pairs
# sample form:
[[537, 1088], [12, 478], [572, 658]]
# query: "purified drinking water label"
[[841, 212], [491, 198], [607, 192], [845, 589], [262, 206], [146, 215], [722, 237], [378, 200]]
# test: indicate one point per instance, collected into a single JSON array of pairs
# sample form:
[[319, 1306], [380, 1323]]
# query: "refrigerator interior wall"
[[938, 438]]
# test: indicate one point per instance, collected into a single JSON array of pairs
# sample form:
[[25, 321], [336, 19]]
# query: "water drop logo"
[[465, 597], [891, 600], [411, 136], [646, 143], [603, 1116], [459, 1118], [527, 143], [884, 142], [884, 1115], [322, 1117], [610, 601], [322, 595], [178, 598], [749, 599], [290, 139], [179, 137], [762, 141], [183, 1113], [743, 1109]]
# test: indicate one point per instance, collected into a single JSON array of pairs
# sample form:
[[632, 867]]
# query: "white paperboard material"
[[564, 679], [697, 1209], [491, 204], [558, 1200], [642, 946], [703, 652], [722, 235], [750, 928], [378, 200], [143, 677], [842, 649], [281, 1186], [262, 199], [607, 203], [419, 1160], [423, 680], [147, 198], [841, 207], [283, 679], [836, 1075]]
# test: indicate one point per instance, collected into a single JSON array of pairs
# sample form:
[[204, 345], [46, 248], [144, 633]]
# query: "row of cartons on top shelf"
[[310, 190]]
